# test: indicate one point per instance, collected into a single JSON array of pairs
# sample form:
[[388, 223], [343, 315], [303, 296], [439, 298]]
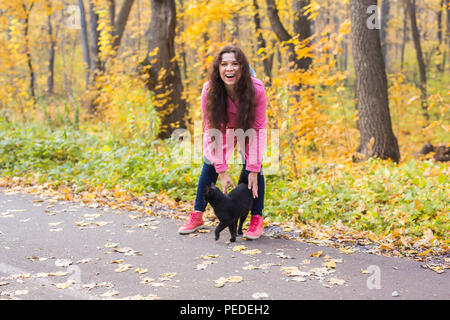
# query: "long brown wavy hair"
[[216, 105]]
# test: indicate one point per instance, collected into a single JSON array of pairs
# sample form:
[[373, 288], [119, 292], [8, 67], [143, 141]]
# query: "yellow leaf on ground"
[[347, 250], [140, 270], [316, 254], [336, 281], [239, 248], [123, 268], [234, 279], [168, 275], [329, 264], [251, 252]]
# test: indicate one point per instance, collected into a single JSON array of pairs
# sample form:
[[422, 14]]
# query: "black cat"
[[231, 207]]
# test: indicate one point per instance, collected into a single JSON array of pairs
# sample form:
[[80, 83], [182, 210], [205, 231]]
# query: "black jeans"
[[210, 175]]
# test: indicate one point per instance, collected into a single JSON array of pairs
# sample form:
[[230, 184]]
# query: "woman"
[[232, 99]]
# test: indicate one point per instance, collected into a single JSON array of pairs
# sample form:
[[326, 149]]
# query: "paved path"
[[66, 250]]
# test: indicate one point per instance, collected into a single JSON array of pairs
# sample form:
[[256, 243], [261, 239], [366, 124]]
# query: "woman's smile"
[[230, 70]]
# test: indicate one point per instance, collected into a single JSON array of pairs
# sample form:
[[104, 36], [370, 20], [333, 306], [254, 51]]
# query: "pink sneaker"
[[255, 229], [194, 223]]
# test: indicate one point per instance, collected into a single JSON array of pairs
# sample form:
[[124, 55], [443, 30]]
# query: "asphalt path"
[[51, 249]]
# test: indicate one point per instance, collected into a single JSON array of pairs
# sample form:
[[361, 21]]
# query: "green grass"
[[374, 195]]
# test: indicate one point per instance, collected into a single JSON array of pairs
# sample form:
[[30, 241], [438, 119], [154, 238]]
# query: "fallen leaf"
[[111, 245], [435, 268], [110, 293], [251, 252], [239, 248], [321, 272], [298, 279], [316, 254], [86, 260], [347, 250], [123, 268], [89, 286], [20, 292], [283, 256], [168, 275], [306, 261], [260, 295], [364, 271], [33, 258], [127, 251], [234, 279], [204, 265], [336, 281], [140, 270], [329, 264], [209, 256], [146, 280], [219, 283], [64, 285], [290, 271], [117, 261], [54, 224], [63, 262]]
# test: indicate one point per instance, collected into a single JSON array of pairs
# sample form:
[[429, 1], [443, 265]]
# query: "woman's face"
[[229, 69]]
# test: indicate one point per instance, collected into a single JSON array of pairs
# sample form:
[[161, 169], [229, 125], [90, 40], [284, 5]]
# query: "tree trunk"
[[182, 46], [440, 20], [411, 5], [121, 22], [94, 49], [374, 121], [405, 35], [261, 43], [447, 52], [384, 21], [302, 28], [96, 65], [28, 52], [51, 51], [235, 32], [84, 42], [164, 77]]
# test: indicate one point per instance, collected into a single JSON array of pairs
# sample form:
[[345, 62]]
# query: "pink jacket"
[[254, 150]]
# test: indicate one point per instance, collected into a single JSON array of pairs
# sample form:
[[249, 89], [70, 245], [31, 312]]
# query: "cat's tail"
[[243, 178]]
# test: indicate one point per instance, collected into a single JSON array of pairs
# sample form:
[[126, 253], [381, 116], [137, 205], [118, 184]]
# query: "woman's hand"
[[253, 183], [226, 181]]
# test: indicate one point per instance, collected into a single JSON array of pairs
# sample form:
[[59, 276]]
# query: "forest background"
[[92, 90]]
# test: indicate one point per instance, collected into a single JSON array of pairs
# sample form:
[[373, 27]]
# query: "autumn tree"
[[114, 30], [164, 77], [261, 42], [411, 7], [374, 122], [302, 30]]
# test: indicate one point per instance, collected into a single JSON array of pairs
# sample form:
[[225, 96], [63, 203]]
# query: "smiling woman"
[[230, 72], [232, 100]]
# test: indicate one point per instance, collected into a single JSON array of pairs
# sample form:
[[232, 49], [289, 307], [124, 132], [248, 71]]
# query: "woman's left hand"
[[253, 183]]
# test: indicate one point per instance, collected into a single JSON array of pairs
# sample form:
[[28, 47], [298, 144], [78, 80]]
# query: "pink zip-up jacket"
[[228, 137]]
